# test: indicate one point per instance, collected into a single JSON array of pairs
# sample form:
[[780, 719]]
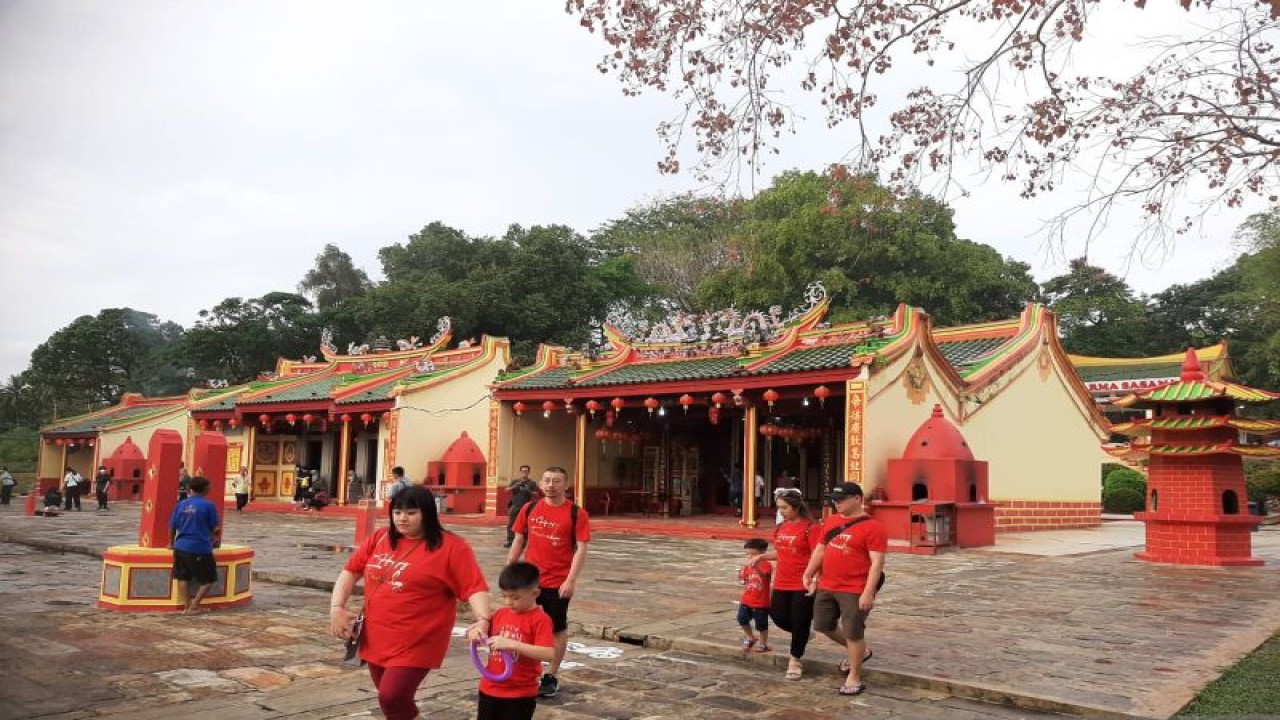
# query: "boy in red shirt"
[[755, 597], [525, 629]]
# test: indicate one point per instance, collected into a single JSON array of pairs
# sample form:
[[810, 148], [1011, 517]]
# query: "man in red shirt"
[[556, 533], [845, 569]]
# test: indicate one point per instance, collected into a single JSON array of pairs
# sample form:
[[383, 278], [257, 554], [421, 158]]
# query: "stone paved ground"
[[65, 660], [1096, 633]]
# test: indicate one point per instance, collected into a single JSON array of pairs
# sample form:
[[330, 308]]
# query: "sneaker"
[[548, 686]]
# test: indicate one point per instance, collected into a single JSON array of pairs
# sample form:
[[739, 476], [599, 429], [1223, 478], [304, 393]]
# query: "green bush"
[[1123, 500], [1125, 477], [1262, 478], [1108, 468]]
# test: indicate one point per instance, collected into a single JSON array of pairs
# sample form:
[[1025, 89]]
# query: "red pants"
[[396, 687]]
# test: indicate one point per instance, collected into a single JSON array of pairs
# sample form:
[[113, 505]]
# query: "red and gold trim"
[[139, 579], [855, 409]]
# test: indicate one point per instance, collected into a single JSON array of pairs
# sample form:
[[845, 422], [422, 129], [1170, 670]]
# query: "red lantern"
[[719, 399], [768, 430], [618, 404], [685, 401], [203, 424], [366, 418], [346, 417], [90, 443], [264, 420], [547, 407], [291, 418], [569, 407], [308, 418], [602, 434], [652, 404], [519, 408], [233, 423], [771, 397], [822, 392], [60, 442], [608, 418], [217, 425], [592, 408], [713, 414]]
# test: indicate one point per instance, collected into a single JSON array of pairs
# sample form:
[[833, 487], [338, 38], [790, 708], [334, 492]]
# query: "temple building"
[[667, 418]]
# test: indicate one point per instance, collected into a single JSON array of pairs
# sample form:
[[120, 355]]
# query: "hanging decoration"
[[608, 418], [713, 415], [652, 404], [685, 401], [291, 418], [519, 407], [719, 399], [346, 417], [308, 418], [234, 423], [618, 404], [593, 407], [569, 407], [217, 425], [547, 407], [366, 418], [822, 392], [771, 397], [264, 420]]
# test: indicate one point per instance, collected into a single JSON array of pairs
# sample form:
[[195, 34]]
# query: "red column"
[[160, 490], [211, 462]]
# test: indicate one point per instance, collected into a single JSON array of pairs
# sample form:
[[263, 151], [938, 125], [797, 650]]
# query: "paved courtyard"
[[1049, 622]]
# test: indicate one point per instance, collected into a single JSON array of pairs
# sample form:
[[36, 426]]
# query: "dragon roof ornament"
[[721, 326]]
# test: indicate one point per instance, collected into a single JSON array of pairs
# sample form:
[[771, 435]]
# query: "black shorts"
[[556, 607], [496, 708], [194, 566]]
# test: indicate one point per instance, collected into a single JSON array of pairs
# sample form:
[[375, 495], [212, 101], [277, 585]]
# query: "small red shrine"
[[936, 494], [459, 475], [1196, 497], [126, 466]]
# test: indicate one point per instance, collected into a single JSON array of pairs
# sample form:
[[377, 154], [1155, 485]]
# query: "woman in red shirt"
[[791, 605], [414, 573]]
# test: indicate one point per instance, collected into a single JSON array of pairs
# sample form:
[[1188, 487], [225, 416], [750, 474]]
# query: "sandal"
[[763, 648], [844, 664], [794, 671], [855, 689], [747, 644]]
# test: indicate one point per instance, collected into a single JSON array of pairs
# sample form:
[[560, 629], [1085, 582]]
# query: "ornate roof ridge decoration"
[[728, 328], [1031, 323], [475, 357], [133, 407], [974, 331], [1178, 423], [405, 348]]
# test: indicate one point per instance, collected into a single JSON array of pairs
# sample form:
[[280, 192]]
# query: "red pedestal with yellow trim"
[[139, 579]]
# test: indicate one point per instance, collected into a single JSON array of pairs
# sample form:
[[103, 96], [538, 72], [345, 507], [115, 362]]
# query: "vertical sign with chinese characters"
[[855, 405]]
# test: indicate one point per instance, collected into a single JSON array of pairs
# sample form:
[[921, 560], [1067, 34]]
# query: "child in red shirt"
[[755, 597], [525, 629]]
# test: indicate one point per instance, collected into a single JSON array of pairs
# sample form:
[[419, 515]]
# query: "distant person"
[[72, 484], [523, 489], [194, 532], [184, 481], [845, 570], [52, 501], [525, 629], [556, 532], [734, 477], [301, 487], [755, 576], [101, 487], [7, 484], [240, 488], [759, 497], [399, 483]]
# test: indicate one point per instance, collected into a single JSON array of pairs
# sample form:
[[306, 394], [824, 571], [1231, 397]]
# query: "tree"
[[1257, 341], [1204, 106], [1194, 314], [334, 279], [237, 339], [675, 243], [870, 249], [96, 359], [1097, 312]]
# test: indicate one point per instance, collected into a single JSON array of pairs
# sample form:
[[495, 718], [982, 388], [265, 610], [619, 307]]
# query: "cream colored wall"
[[892, 417], [433, 417], [1039, 441], [539, 442], [110, 441]]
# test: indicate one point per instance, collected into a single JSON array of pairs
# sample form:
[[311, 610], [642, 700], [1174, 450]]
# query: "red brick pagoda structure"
[[1196, 500]]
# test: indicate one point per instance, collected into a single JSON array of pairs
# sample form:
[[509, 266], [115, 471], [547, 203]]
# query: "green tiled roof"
[[87, 423], [1145, 371], [374, 393], [317, 389], [821, 358], [665, 372], [963, 353], [554, 378]]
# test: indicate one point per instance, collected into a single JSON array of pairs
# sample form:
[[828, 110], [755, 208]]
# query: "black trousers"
[[6, 492], [512, 512], [792, 610], [242, 499], [73, 497], [102, 499]]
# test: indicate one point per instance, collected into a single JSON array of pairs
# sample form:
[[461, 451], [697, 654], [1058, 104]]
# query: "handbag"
[[352, 656]]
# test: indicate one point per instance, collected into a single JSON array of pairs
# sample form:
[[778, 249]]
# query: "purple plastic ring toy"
[[508, 662]]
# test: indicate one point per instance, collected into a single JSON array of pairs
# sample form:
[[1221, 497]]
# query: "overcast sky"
[[165, 155]]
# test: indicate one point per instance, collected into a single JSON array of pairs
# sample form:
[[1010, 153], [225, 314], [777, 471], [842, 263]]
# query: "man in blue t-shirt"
[[194, 531]]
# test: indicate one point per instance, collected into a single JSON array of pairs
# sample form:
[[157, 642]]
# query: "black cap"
[[844, 490]]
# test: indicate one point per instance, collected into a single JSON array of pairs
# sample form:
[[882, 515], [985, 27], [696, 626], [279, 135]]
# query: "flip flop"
[[795, 672], [850, 690], [870, 654], [762, 648], [844, 664]]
